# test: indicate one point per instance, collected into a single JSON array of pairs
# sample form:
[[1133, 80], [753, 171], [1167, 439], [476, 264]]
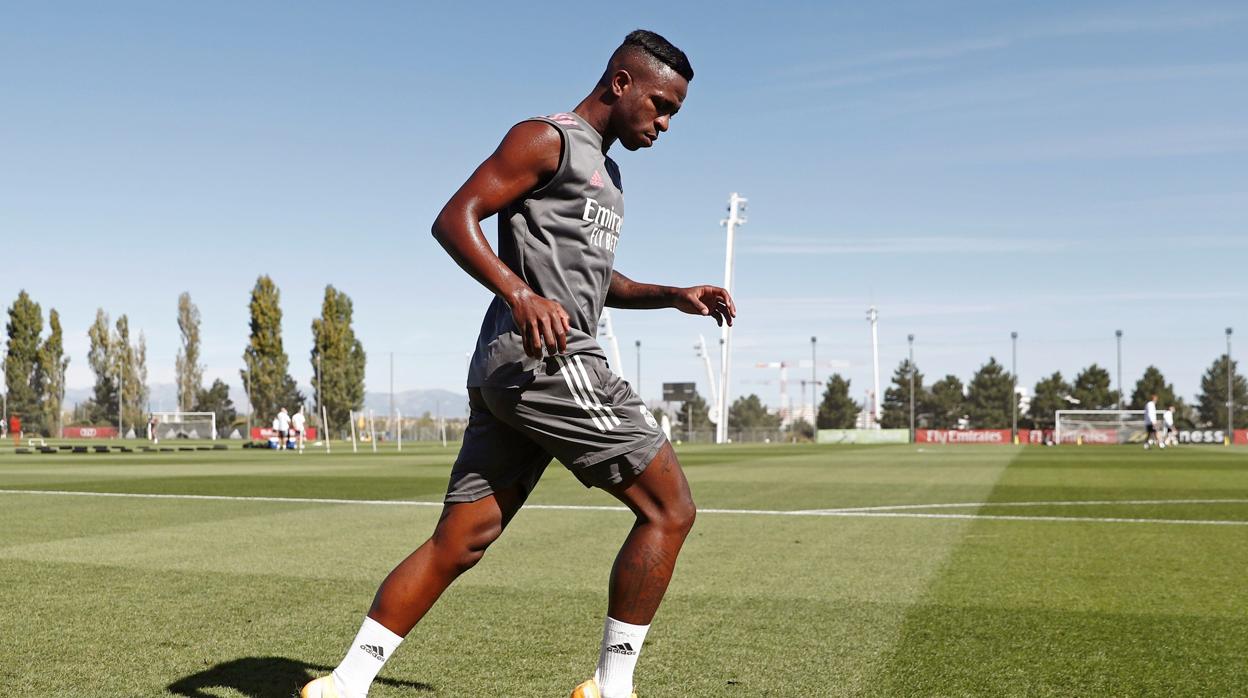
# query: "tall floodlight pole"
[[637, 343], [1118, 336], [873, 316], [251, 408], [814, 392], [391, 420], [910, 341], [736, 211], [1014, 386], [121, 392], [1230, 392]]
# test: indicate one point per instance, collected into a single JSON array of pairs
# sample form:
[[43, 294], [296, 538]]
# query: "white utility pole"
[[736, 211], [121, 392], [873, 316]]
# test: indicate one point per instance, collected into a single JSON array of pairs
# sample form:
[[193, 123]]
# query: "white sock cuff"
[[620, 626], [379, 632]]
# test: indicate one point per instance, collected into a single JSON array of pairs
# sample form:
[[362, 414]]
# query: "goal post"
[[1099, 426], [186, 425]]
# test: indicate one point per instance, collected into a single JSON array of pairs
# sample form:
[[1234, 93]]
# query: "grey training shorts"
[[575, 409]]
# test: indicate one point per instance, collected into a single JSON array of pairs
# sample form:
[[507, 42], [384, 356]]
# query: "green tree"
[[1211, 402], [22, 378], [1091, 389], [896, 407], [1153, 383], [946, 402], [837, 410], [749, 412], [266, 376], [1050, 396], [216, 399], [989, 397], [130, 363], [52, 366], [101, 357], [694, 409], [337, 353], [190, 374]]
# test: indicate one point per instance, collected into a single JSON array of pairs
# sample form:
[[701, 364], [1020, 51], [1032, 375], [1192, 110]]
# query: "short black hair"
[[661, 49]]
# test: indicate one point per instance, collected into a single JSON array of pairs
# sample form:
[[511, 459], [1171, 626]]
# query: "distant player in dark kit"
[[539, 387]]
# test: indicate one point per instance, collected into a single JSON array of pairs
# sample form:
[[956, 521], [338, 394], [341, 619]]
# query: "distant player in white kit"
[[1171, 436], [1150, 423], [283, 429], [297, 424]]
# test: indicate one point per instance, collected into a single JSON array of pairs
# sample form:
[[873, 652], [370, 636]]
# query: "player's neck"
[[597, 115]]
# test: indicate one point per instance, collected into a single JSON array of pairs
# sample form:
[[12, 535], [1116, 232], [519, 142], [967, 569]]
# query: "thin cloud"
[[784, 245], [907, 61], [1139, 24], [1195, 139]]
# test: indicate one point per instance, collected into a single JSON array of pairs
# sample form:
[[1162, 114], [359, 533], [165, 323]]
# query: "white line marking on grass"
[[862, 512], [1068, 503]]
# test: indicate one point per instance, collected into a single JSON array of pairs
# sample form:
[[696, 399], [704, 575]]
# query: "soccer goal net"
[[1100, 426], [185, 425]]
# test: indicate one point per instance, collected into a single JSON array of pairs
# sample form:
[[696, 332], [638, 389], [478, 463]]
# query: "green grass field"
[[1143, 593]]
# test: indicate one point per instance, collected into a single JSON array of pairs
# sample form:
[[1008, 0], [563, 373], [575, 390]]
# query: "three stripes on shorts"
[[577, 378]]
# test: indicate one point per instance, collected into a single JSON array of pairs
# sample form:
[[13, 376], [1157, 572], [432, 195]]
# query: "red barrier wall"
[[968, 436], [89, 433]]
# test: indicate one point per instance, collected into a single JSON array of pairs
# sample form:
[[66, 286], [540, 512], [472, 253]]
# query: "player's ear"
[[620, 82]]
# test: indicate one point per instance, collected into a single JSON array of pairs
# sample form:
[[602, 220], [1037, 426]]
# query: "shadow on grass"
[[263, 677]]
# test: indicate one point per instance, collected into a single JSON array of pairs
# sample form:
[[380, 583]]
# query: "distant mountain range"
[[163, 397]]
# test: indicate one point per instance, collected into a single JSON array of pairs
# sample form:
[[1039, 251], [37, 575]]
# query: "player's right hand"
[[542, 322]]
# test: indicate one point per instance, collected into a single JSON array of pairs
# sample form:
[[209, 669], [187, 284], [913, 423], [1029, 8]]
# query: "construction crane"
[[787, 415], [607, 333], [713, 397]]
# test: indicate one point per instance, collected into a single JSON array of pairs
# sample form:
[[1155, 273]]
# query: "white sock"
[[373, 645], [621, 645]]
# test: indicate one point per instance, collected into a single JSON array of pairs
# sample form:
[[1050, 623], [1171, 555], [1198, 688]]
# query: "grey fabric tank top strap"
[[561, 239]]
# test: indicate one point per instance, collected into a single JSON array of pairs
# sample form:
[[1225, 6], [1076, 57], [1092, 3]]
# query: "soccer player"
[[538, 384], [1150, 423], [1171, 434], [151, 429], [297, 424], [282, 424]]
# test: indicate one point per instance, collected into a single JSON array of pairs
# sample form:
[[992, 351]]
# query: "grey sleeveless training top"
[[561, 240]]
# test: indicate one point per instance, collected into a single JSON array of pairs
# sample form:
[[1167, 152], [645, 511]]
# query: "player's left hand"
[[706, 300]]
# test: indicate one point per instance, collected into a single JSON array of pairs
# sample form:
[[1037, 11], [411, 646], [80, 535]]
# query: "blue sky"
[[1060, 169]]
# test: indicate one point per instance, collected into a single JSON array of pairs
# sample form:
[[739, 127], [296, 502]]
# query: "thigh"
[[479, 522], [494, 457], [661, 487], [585, 416]]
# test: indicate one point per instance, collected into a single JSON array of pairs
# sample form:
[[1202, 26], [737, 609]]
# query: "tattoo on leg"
[[642, 573]]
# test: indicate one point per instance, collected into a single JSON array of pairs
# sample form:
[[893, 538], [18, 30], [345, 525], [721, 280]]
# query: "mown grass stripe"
[[844, 513]]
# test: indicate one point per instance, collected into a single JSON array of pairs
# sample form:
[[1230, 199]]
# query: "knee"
[[675, 518], [458, 554]]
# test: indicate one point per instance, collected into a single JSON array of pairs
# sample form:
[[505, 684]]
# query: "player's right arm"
[[527, 158]]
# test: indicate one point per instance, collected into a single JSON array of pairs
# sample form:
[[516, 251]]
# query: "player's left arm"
[[695, 300]]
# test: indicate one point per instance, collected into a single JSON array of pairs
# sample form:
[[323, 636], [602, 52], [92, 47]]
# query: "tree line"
[[987, 402], [34, 366]]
